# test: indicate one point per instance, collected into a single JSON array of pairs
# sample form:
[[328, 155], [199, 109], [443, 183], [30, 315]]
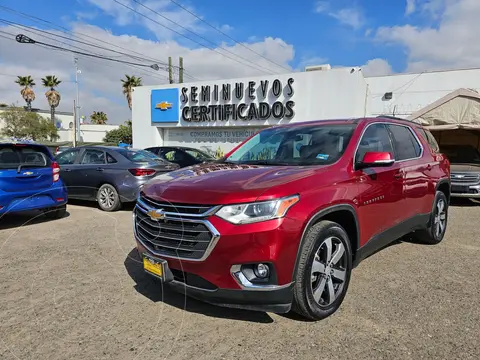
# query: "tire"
[[435, 232], [308, 299], [108, 199], [56, 213]]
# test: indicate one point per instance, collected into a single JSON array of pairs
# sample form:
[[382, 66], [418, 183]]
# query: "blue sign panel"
[[165, 105]]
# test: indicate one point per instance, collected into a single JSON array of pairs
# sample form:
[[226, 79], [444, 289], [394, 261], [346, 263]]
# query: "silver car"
[[107, 174]]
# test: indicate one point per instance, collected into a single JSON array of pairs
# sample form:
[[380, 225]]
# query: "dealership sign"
[[244, 101]]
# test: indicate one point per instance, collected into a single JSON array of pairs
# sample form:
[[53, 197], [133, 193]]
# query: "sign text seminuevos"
[[212, 103]]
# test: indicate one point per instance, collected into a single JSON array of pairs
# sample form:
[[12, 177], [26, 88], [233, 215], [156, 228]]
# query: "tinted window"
[[406, 145], [12, 156], [198, 155], [91, 156], [67, 157], [296, 145], [375, 138], [427, 135], [175, 155], [138, 156], [110, 159]]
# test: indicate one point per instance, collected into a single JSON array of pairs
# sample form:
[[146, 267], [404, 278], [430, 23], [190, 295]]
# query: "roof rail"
[[396, 118]]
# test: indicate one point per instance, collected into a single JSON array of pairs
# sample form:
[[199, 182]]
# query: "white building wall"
[[337, 93], [411, 92]]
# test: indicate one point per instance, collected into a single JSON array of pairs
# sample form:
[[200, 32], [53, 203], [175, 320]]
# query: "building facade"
[[219, 114]]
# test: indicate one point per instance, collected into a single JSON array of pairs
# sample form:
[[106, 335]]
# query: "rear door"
[[25, 168], [91, 171], [67, 162], [408, 153], [381, 188]]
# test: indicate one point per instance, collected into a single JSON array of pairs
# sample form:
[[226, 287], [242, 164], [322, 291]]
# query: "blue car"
[[30, 180]]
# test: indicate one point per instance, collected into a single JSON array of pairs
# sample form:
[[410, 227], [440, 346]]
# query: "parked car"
[[59, 149], [183, 156], [282, 221], [465, 167], [107, 174], [30, 180]]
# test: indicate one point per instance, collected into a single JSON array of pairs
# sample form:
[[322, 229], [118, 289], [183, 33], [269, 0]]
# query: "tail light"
[[55, 171], [141, 172]]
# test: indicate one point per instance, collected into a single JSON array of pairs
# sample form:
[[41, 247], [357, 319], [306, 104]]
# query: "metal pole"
[[74, 124], [77, 106], [170, 74], [180, 75]]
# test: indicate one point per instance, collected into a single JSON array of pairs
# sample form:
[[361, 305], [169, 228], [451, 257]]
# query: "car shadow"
[[462, 202], [93, 204], [152, 288], [27, 218]]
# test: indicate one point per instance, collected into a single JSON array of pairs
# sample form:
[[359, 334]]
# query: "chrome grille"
[[176, 235], [464, 178], [183, 209]]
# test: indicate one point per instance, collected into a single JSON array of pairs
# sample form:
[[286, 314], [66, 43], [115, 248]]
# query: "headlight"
[[257, 211]]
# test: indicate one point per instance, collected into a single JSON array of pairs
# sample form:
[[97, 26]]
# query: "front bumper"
[[460, 190], [214, 278]]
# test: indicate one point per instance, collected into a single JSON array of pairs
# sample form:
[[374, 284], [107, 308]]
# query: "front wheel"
[[323, 272], [108, 199]]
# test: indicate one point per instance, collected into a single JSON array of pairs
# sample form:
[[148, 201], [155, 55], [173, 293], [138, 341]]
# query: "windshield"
[[139, 156], [199, 155], [461, 154], [22, 156], [299, 145]]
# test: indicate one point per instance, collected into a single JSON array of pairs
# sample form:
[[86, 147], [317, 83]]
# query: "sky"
[[220, 41]]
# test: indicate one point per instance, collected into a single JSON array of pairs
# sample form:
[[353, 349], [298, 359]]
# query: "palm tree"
[[128, 84], [99, 118], [53, 96], [27, 83]]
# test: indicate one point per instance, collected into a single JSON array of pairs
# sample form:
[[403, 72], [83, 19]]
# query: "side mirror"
[[375, 159]]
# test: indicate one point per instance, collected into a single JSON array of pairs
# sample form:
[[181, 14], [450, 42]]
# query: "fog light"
[[261, 271]]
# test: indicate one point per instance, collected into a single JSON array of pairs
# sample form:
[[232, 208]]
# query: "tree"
[[122, 134], [27, 84], [22, 124], [98, 118], [53, 96], [128, 84]]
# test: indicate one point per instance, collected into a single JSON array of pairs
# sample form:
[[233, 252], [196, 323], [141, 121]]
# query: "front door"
[[381, 188]]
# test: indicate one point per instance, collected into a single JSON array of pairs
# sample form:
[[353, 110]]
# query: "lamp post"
[[77, 112]]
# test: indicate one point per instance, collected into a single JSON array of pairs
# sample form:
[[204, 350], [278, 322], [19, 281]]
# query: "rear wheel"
[[108, 199], [438, 222], [56, 213], [323, 272]]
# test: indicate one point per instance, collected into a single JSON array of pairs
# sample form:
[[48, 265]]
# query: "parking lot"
[[72, 288]]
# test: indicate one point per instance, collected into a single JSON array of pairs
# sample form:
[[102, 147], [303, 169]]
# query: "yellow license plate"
[[152, 266]]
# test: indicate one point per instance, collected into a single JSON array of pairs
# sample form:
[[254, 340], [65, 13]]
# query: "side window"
[[67, 157], [91, 156], [427, 135], [406, 145], [375, 138], [110, 159], [169, 155]]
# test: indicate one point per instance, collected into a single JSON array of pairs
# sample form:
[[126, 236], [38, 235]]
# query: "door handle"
[[99, 169], [398, 175], [67, 170]]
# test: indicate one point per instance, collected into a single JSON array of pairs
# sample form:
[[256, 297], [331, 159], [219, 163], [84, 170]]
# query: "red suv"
[[280, 221]]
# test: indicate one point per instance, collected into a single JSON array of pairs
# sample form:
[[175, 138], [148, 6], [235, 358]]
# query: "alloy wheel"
[[440, 218], [329, 271], [107, 197]]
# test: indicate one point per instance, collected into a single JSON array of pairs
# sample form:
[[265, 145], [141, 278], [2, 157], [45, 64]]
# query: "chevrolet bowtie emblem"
[[156, 214], [28, 173], [163, 106]]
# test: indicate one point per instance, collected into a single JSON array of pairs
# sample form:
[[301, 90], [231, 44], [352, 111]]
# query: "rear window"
[[139, 156], [23, 156]]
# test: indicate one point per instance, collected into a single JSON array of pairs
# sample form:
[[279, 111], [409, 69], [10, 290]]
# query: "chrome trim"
[[174, 238], [389, 123], [210, 211], [210, 247], [247, 285]]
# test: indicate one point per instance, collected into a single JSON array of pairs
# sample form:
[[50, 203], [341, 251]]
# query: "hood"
[[474, 168], [214, 184]]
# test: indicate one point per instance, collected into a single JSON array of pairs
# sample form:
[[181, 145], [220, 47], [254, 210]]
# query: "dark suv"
[[281, 221]]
